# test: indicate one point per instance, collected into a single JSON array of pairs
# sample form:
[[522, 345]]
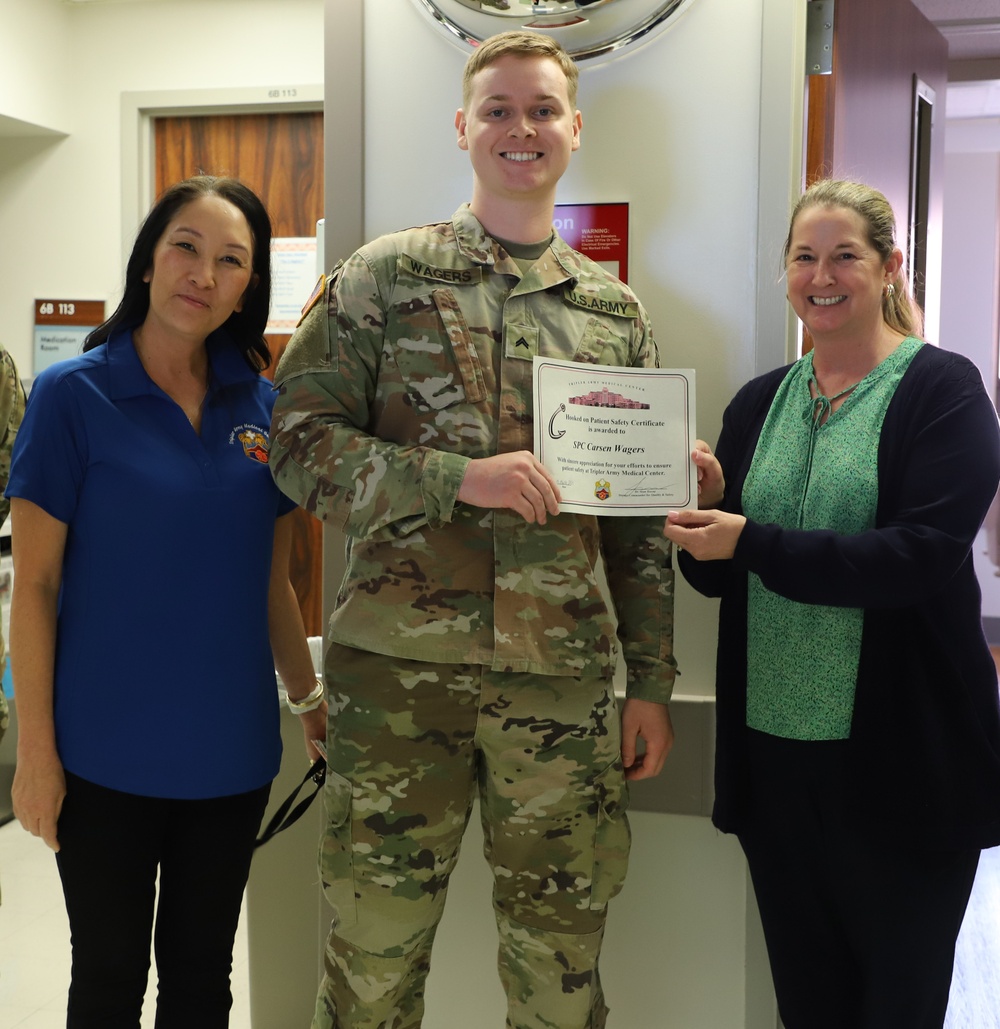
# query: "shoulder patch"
[[610, 303], [318, 290], [464, 275]]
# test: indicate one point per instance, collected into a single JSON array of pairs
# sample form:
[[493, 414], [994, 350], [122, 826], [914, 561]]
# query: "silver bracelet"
[[308, 703]]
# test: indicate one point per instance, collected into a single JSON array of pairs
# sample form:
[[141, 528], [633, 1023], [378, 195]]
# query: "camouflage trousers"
[[410, 745]]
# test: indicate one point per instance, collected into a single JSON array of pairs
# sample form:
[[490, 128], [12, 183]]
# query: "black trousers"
[[860, 932], [112, 845]]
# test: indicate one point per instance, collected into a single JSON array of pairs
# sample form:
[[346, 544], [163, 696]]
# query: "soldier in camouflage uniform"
[[11, 413], [472, 648]]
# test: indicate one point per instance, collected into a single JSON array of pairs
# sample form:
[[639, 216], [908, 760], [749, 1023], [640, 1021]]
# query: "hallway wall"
[[696, 131], [64, 67], [700, 132], [970, 294]]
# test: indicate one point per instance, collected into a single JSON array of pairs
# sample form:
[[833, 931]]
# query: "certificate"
[[617, 441]]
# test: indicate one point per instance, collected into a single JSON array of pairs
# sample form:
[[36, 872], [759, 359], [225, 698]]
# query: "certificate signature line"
[[636, 488]]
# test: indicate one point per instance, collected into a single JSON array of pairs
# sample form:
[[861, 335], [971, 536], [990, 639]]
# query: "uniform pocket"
[[435, 352], [462, 346], [612, 835], [336, 851], [600, 345]]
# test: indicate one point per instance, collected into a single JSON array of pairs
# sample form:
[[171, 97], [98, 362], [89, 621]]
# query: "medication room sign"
[[61, 327]]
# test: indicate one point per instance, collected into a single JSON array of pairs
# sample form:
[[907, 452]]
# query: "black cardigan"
[[925, 735]]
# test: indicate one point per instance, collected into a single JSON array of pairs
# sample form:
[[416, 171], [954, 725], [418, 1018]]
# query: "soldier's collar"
[[477, 245]]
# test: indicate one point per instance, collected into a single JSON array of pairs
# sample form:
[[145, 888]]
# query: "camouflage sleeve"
[[324, 454], [646, 353], [11, 413], [641, 581]]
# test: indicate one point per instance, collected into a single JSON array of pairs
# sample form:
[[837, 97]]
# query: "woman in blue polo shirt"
[[151, 606]]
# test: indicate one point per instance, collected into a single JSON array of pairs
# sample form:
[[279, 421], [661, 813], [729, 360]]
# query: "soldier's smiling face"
[[519, 128]]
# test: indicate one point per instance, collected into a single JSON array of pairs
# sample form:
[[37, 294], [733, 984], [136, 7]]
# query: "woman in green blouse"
[[858, 753]]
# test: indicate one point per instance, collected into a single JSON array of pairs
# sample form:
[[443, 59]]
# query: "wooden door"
[[861, 121], [280, 157]]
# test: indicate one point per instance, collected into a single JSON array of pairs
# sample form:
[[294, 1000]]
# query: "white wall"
[[672, 128], [970, 255], [691, 180], [700, 134], [65, 67], [970, 283], [677, 129], [35, 58]]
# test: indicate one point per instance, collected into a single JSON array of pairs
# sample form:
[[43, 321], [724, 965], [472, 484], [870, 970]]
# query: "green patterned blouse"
[[811, 473]]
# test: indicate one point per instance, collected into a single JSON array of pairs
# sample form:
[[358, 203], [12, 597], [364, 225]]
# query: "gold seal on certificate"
[[618, 441]]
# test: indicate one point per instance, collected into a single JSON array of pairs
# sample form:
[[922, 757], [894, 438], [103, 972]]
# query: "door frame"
[[780, 170], [139, 109]]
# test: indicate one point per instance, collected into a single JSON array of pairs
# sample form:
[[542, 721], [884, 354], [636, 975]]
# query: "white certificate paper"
[[618, 441]]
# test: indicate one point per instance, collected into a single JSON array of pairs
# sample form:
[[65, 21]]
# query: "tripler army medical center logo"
[[602, 490], [254, 441]]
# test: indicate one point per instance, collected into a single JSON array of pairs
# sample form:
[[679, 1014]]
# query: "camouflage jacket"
[[417, 360], [11, 413]]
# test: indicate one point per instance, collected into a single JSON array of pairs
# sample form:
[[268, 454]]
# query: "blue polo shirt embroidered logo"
[[254, 440]]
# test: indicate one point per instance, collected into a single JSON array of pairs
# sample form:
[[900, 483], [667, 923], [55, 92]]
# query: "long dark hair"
[[246, 327]]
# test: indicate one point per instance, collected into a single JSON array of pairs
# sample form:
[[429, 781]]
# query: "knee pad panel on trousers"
[[556, 871]]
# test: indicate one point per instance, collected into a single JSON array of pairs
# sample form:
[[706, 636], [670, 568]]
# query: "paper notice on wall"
[[293, 275]]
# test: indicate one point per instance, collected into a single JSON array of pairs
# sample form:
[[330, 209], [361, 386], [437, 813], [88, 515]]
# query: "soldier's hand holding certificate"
[[617, 440]]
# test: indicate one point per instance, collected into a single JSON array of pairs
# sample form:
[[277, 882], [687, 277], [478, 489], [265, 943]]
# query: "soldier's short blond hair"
[[519, 43]]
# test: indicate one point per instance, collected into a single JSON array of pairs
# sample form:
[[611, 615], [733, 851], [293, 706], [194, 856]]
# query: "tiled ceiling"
[[972, 27]]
